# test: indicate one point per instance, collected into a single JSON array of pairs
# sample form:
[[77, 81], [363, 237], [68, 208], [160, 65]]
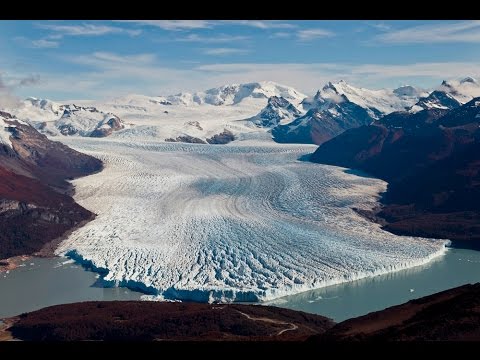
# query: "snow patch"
[[5, 133]]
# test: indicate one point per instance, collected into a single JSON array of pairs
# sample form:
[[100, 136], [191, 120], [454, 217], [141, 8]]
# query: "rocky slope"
[[320, 124], [35, 202], [431, 160], [451, 315]]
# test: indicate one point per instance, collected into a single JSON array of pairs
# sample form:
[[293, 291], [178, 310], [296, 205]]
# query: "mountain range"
[[252, 108]]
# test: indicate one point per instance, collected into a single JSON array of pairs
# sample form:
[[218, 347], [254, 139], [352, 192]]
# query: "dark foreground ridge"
[[449, 315], [431, 160], [147, 321], [36, 206]]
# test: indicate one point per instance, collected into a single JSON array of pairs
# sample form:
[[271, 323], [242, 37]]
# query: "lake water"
[[41, 282], [55, 281], [340, 302]]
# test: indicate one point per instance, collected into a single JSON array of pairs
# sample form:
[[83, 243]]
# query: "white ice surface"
[[245, 221]]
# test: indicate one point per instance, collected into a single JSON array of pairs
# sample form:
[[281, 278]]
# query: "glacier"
[[247, 221]]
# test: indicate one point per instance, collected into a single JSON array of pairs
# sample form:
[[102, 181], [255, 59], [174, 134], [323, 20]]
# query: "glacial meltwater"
[[340, 302], [41, 282], [55, 281]]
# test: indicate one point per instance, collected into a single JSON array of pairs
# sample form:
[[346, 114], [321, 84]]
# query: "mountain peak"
[[330, 87], [463, 90], [232, 94], [406, 90], [278, 110], [468, 79]]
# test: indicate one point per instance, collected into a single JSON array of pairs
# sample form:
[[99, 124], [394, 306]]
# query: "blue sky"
[[64, 60]]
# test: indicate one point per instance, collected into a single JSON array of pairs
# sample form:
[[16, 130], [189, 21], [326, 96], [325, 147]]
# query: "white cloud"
[[311, 34], [225, 51], [44, 44], [109, 60], [202, 24], [173, 24], [281, 35], [438, 70], [221, 38], [309, 77], [86, 30], [464, 31], [110, 74], [261, 24], [7, 98], [382, 26]]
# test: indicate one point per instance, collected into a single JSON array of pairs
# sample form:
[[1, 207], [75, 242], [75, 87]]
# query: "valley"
[[199, 200]]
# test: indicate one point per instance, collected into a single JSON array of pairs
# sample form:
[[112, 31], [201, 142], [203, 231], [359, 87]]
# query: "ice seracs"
[[243, 222]]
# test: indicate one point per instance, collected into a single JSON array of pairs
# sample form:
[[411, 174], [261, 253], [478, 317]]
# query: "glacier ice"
[[246, 221]]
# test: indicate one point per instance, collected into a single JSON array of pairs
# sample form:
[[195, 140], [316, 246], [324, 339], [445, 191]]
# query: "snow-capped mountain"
[[6, 127], [232, 94], [449, 95], [463, 91], [241, 110], [376, 102], [58, 119], [278, 111], [321, 124], [197, 117], [236, 93], [436, 100], [407, 91], [340, 106]]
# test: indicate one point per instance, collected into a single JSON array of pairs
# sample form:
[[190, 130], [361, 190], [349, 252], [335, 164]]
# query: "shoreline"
[[5, 325], [12, 262], [152, 294], [47, 251]]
